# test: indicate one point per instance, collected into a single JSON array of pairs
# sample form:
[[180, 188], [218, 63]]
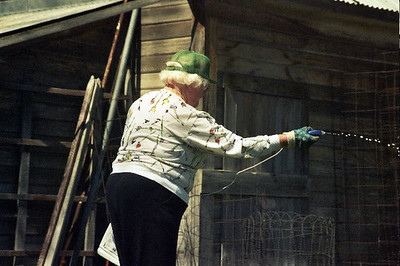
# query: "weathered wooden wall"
[[281, 66], [42, 86]]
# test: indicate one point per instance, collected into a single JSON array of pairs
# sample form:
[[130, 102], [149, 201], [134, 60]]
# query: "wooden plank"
[[169, 46], [165, 14], [252, 183], [37, 197], [167, 30]]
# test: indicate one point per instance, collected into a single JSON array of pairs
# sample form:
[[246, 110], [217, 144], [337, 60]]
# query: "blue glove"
[[302, 139]]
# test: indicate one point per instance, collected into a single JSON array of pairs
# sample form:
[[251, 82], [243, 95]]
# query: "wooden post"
[[210, 98], [23, 180]]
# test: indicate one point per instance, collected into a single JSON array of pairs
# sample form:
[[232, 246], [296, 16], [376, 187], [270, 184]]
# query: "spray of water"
[[365, 138]]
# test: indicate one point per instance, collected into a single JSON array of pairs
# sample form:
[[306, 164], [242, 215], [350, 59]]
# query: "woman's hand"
[[300, 137]]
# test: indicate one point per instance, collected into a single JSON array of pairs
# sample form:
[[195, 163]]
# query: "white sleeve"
[[204, 133]]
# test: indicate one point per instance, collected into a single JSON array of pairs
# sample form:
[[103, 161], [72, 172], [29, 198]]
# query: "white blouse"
[[167, 140]]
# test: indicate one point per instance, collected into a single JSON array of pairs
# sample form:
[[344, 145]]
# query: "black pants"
[[145, 218]]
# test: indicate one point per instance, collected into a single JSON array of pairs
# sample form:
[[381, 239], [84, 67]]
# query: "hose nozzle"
[[316, 132]]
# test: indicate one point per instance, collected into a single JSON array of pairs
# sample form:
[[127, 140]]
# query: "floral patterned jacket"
[[167, 140]]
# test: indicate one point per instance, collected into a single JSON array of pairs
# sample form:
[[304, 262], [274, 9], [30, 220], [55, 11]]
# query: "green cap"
[[191, 62]]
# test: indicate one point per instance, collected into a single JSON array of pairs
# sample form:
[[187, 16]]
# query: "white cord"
[[238, 173]]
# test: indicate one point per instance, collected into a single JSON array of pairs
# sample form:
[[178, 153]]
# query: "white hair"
[[184, 78]]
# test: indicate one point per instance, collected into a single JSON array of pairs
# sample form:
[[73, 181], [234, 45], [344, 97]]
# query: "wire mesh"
[[368, 211]]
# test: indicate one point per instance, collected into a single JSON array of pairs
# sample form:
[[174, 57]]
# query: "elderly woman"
[[165, 141]]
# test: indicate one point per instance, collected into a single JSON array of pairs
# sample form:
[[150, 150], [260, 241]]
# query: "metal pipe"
[[113, 46], [119, 83], [111, 113]]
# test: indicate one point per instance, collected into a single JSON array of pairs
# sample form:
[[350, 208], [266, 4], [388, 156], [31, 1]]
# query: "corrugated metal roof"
[[8, 7], [390, 5], [23, 19]]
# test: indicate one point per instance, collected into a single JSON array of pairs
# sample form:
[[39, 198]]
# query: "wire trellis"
[[281, 238], [243, 230]]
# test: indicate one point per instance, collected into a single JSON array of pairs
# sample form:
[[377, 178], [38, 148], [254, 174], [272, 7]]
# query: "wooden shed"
[[280, 65]]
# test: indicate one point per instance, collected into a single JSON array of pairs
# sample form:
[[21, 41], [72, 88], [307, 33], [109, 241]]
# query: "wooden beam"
[[35, 253], [41, 197], [72, 22], [36, 143], [44, 89], [253, 183], [210, 98]]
